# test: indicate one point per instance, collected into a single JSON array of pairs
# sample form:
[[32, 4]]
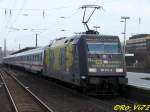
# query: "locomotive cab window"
[[103, 47]]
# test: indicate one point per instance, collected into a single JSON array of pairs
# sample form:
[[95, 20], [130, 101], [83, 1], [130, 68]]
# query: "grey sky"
[[108, 19]]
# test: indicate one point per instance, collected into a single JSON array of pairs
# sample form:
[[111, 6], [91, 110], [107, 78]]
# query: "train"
[[88, 60]]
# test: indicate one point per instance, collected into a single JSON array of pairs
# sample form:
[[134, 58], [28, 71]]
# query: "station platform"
[[139, 80]]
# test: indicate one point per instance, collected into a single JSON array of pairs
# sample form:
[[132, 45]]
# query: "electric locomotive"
[[89, 60]]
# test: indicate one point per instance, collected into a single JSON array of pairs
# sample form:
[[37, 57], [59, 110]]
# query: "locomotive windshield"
[[105, 47]]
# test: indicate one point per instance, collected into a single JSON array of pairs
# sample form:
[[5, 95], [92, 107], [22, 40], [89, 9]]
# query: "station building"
[[139, 45]]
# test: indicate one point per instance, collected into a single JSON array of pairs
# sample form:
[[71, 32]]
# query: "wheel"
[[84, 87], [122, 89]]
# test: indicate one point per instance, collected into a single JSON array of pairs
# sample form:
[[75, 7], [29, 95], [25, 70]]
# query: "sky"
[[64, 18]]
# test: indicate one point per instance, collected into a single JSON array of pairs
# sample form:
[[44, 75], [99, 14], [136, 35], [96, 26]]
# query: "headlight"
[[105, 61], [83, 77], [119, 70], [92, 70]]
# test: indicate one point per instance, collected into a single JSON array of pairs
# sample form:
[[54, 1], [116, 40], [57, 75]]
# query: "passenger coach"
[[31, 60]]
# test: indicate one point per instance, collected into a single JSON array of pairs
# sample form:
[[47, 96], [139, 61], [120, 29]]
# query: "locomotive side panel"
[[63, 63]]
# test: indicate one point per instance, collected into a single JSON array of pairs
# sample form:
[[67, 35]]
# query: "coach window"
[[37, 57], [41, 57], [28, 58], [33, 57]]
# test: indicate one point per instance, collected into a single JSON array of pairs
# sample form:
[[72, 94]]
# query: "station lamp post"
[[36, 35], [124, 19]]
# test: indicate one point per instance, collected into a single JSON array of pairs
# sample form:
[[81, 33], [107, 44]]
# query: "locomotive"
[[89, 60]]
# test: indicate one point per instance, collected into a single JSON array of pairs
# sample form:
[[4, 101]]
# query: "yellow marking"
[[69, 57]]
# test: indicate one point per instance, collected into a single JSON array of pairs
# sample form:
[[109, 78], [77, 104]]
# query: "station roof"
[[139, 36], [22, 50]]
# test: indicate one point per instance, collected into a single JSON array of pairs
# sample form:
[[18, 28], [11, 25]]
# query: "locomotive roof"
[[74, 39]]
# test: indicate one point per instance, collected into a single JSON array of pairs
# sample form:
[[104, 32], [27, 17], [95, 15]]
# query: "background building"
[[139, 45], [2, 53]]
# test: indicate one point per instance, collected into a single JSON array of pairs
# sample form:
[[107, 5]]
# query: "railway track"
[[21, 98], [4, 100], [58, 96]]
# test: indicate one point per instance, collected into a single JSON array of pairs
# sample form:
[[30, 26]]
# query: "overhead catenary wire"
[[6, 21], [10, 24], [63, 18], [39, 12]]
